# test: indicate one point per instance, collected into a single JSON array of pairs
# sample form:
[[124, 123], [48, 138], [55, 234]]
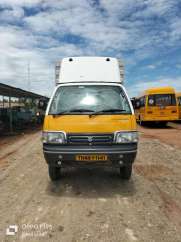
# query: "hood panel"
[[83, 123]]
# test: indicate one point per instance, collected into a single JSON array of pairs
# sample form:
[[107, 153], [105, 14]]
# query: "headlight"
[[126, 137], [53, 137]]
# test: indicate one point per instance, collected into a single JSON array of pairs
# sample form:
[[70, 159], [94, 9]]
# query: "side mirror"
[[42, 104], [133, 103]]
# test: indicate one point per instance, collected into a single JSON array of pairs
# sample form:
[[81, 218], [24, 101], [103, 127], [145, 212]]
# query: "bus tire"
[[125, 172], [54, 173], [164, 123]]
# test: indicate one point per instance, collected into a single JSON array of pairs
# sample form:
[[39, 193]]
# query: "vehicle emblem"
[[90, 139]]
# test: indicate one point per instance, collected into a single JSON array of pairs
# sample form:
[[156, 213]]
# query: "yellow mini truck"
[[157, 105], [179, 103], [90, 120]]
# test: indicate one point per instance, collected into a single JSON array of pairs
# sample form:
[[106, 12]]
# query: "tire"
[[125, 172], [54, 173], [163, 124]]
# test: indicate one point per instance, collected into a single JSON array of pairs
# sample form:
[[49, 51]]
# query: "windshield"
[[89, 98], [162, 100]]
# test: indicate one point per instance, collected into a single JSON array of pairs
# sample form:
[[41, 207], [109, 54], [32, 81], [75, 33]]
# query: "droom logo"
[[12, 230]]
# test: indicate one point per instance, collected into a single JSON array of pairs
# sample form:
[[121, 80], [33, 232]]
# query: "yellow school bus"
[[179, 103], [157, 105]]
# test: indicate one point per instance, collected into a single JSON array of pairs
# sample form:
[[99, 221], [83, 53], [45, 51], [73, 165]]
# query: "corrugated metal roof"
[[6, 90]]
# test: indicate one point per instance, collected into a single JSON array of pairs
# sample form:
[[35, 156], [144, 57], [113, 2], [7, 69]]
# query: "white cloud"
[[105, 31], [147, 8], [137, 88], [175, 27], [18, 48], [11, 15], [121, 26], [161, 7], [100, 33], [21, 3], [151, 66]]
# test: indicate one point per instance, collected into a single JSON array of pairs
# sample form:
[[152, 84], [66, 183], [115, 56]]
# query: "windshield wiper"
[[80, 110], [92, 112], [111, 110]]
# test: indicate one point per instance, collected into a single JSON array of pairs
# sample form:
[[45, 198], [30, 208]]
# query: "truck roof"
[[89, 69]]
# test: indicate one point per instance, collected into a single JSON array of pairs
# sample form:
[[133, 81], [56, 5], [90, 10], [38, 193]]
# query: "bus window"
[[162, 100], [151, 100], [142, 101]]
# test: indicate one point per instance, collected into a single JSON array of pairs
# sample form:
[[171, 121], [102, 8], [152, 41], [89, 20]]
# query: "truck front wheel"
[[54, 173], [125, 172]]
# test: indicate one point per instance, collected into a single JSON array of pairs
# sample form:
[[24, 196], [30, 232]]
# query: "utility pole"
[[29, 80], [10, 114]]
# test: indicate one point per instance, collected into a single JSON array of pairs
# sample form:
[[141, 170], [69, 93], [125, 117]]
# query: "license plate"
[[91, 157]]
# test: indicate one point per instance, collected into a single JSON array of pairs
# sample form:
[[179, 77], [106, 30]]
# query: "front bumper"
[[125, 153]]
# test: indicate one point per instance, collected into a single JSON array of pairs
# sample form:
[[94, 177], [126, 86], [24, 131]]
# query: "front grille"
[[90, 139]]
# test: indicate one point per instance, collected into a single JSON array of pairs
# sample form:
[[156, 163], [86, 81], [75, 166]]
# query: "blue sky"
[[146, 34]]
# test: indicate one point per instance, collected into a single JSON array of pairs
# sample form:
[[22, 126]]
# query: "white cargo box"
[[89, 69]]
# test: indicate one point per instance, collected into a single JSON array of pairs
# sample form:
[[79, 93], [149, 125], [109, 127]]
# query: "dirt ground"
[[92, 204], [169, 134]]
